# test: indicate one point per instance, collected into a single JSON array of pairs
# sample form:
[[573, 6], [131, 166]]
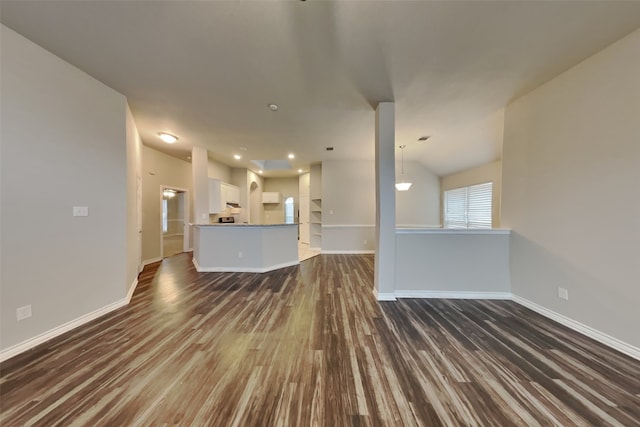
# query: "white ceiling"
[[206, 70]]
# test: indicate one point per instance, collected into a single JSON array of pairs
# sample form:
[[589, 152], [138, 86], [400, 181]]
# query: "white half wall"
[[570, 192], [64, 144], [442, 263]]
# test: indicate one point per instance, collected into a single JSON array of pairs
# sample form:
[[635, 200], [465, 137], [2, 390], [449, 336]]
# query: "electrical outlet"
[[563, 293], [81, 211], [23, 312], [240, 254]]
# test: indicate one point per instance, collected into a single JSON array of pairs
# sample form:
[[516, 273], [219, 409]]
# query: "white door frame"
[[186, 245]]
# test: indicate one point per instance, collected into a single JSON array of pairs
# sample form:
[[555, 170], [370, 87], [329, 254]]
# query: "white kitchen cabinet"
[[215, 196], [230, 193], [271, 197], [221, 193]]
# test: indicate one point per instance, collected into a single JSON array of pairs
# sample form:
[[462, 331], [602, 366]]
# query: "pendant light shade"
[[402, 184]]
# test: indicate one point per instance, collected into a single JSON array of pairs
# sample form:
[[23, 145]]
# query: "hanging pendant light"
[[403, 184]]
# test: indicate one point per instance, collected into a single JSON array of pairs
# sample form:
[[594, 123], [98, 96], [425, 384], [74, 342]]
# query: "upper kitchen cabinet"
[[271, 197], [221, 194], [230, 193]]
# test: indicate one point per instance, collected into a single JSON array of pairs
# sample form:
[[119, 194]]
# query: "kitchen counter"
[[239, 247]]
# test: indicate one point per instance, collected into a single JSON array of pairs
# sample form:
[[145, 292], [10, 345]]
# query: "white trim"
[[150, 261], [59, 330], [452, 294], [418, 226], [242, 269], [588, 331], [315, 249], [384, 296], [349, 252], [132, 289], [467, 231], [347, 225]]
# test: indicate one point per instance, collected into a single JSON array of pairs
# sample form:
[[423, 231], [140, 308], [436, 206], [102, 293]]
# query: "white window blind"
[[468, 207]]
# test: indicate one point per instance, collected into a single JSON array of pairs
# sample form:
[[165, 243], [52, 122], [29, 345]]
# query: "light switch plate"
[[80, 211]]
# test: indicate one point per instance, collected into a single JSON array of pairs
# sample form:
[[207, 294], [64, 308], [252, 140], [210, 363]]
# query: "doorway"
[[288, 211], [174, 214]]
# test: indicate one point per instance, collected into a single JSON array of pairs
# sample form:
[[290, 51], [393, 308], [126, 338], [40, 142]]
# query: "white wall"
[[255, 187], [490, 172], [159, 170], [348, 205], [288, 187], [571, 171], [420, 205], [219, 171], [348, 189], [64, 144], [134, 200]]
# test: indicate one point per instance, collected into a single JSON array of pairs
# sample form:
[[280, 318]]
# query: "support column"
[[385, 262], [200, 176]]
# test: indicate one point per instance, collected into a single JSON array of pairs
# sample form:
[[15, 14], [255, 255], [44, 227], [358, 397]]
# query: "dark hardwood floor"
[[309, 345]]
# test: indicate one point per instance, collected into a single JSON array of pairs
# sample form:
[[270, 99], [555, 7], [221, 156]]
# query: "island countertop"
[[239, 247]]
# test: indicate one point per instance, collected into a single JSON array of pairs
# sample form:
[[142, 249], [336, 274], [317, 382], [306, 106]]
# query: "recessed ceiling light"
[[237, 156], [299, 170], [423, 138], [291, 156], [273, 107], [167, 137], [260, 171]]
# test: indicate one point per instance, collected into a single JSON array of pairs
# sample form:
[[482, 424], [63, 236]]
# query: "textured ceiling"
[[206, 70]]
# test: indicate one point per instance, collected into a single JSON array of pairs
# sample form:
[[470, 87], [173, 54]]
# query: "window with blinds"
[[468, 207]]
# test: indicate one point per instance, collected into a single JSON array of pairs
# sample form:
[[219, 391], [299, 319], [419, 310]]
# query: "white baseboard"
[[151, 261], [348, 252], [132, 289], [59, 330], [384, 296], [452, 294], [200, 269], [590, 332]]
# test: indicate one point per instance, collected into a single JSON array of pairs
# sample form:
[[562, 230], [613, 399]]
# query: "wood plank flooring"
[[309, 345]]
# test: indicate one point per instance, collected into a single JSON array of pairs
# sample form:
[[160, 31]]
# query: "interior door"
[[304, 219]]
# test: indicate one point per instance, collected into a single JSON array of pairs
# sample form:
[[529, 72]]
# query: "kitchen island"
[[244, 247]]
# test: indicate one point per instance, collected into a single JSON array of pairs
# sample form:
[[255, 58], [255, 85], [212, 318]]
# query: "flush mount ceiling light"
[[403, 184], [237, 156], [299, 170], [273, 107], [260, 171], [291, 156], [167, 137]]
